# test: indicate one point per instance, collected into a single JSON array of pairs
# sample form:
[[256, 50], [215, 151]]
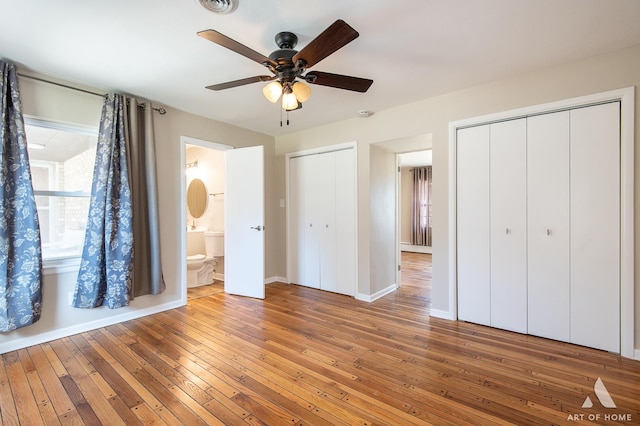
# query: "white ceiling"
[[412, 49]]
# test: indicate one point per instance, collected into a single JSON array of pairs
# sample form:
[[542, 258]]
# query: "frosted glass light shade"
[[302, 91], [289, 101], [272, 91]]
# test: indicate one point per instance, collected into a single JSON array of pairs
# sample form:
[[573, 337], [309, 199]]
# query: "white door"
[[313, 188], [345, 220], [297, 219], [473, 237], [595, 226], [326, 205], [244, 222], [508, 197], [548, 216]]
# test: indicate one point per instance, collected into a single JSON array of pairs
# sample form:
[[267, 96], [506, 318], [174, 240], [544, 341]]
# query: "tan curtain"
[[147, 270], [421, 207]]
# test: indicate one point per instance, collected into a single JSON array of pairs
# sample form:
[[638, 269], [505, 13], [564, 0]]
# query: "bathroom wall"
[[211, 170]]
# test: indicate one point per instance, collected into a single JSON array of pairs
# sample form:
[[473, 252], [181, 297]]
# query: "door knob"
[[257, 228], [548, 231]]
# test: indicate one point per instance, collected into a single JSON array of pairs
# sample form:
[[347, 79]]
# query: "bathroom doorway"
[[202, 214]]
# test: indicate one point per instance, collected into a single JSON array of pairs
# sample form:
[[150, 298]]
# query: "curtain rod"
[[162, 111]]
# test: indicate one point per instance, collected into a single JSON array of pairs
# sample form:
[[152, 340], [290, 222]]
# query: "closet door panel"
[[313, 172], [473, 238], [508, 198], [548, 225], [345, 228], [297, 219], [595, 226], [326, 209]]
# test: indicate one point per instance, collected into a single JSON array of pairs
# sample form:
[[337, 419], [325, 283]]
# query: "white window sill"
[[60, 266]]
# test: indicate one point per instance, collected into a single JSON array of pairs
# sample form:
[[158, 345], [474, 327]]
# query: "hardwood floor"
[[304, 356]]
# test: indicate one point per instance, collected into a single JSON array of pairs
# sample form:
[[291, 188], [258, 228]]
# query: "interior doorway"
[[202, 214], [408, 152]]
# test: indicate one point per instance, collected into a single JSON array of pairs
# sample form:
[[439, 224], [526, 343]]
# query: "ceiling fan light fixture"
[[219, 6], [302, 91], [289, 101], [272, 91]]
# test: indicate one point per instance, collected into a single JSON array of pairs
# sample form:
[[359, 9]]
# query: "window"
[[62, 158]]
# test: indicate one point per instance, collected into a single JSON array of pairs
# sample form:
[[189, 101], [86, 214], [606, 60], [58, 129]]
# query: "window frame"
[[67, 263]]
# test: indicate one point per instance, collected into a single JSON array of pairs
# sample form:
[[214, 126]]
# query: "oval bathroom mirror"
[[197, 198]]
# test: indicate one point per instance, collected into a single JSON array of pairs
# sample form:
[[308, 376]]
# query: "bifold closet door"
[[325, 206], [314, 187], [296, 219], [322, 191], [473, 225], [548, 224], [508, 213], [595, 226], [344, 230]]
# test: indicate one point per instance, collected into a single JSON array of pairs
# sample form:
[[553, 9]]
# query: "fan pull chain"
[[281, 117]]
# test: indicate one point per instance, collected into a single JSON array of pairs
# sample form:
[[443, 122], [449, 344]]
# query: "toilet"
[[203, 250]]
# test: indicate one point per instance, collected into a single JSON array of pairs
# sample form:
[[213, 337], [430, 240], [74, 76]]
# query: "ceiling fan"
[[289, 66]]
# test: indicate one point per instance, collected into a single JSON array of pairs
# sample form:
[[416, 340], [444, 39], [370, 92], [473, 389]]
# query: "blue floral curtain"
[[20, 251], [106, 268]]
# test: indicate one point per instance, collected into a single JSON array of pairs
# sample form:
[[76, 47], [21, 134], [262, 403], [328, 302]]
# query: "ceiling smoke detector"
[[219, 6]]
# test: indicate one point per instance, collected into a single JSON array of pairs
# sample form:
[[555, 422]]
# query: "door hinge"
[[398, 268]]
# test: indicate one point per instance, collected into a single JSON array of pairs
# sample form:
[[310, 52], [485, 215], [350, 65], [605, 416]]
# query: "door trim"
[[626, 96]]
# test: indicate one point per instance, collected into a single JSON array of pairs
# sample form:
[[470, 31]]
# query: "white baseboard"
[[636, 354], [415, 249], [25, 342], [271, 280], [218, 277], [437, 313], [377, 295]]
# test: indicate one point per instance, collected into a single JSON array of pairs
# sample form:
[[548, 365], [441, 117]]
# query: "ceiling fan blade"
[[231, 44], [241, 82], [346, 82], [333, 38]]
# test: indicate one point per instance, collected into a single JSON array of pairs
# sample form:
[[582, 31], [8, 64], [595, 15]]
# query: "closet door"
[[297, 219], [345, 222], [326, 208], [473, 237], [314, 218], [548, 224], [595, 226], [508, 214]]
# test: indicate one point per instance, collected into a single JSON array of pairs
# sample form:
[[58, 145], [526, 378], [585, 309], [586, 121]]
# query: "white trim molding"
[[626, 96], [377, 295], [24, 342]]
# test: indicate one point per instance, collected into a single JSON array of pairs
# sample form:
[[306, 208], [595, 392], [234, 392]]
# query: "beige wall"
[[382, 213], [46, 101], [597, 74]]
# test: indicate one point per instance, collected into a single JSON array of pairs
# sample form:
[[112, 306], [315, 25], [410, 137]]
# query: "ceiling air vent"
[[219, 6]]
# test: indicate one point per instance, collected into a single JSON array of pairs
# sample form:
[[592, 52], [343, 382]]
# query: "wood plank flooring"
[[304, 356]]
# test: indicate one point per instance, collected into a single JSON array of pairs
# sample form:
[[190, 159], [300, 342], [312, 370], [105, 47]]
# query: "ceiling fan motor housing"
[[286, 70]]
